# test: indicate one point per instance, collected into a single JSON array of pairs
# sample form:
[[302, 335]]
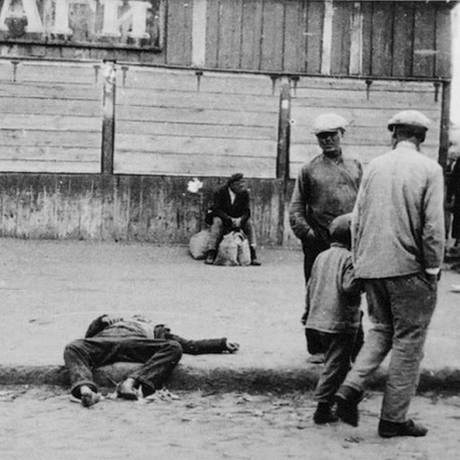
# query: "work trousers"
[[400, 310], [219, 229], [338, 349], [312, 246], [160, 357]]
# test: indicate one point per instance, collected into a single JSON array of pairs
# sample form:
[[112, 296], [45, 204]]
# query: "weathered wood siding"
[[176, 123], [367, 111], [124, 208], [376, 38], [50, 117]]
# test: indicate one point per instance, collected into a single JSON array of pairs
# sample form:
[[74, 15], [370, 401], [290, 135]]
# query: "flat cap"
[[328, 122], [409, 118], [339, 229], [235, 178]]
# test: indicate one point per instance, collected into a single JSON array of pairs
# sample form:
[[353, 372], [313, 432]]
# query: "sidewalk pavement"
[[51, 290]]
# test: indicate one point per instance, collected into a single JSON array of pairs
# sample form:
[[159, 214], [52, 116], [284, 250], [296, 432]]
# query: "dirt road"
[[42, 423]]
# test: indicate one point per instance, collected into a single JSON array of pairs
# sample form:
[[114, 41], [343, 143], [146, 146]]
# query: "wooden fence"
[[104, 151]]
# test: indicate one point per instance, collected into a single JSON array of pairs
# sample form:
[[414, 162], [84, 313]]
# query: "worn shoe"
[[255, 262], [324, 414], [126, 390], [347, 399], [407, 428]]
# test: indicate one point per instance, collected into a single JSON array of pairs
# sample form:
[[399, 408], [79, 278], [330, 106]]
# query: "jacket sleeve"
[[219, 207], [351, 285], [433, 233], [298, 207], [200, 347]]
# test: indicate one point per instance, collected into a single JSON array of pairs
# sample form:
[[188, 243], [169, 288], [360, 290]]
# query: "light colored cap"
[[409, 118], [328, 122]]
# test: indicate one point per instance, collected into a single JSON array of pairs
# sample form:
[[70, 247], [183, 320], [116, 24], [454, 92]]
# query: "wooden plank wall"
[[367, 113], [155, 209], [172, 122], [397, 38], [50, 117]]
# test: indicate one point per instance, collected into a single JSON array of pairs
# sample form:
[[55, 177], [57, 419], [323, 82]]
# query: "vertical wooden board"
[[443, 41], [340, 51], [382, 41], [121, 208], [212, 32], [403, 39], [367, 12], [108, 193], [136, 226], [424, 39], [251, 34], [272, 35], [6, 70], [199, 33], [230, 34], [179, 48], [314, 36], [294, 39]]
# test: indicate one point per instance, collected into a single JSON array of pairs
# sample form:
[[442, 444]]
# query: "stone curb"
[[253, 380]]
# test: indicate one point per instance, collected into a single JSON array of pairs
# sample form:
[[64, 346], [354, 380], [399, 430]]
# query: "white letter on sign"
[[34, 23], [136, 16]]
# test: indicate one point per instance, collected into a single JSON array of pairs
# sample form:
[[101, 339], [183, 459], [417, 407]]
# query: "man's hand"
[[236, 222], [232, 347]]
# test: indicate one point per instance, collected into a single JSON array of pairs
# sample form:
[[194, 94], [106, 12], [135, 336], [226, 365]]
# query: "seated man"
[[112, 339], [230, 211]]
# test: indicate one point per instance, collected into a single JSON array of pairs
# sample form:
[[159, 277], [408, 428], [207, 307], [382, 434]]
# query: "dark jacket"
[[453, 196], [223, 208], [99, 328]]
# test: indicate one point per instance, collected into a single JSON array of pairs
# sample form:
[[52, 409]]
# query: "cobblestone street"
[[42, 423]]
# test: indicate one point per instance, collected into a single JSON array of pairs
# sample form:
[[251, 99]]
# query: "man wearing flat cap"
[[326, 188], [230, 211], [398, 244]]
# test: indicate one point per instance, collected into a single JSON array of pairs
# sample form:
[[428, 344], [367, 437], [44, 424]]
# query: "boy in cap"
[[398, 244], [332, 315], [326, 187], [230, 211]]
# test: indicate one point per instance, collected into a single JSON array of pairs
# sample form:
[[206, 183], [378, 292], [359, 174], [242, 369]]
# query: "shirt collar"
[[406, 145], [232, 195]]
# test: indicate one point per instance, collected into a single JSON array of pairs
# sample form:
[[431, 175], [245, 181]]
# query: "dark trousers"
[[338, 350], [312, 246], [160, 358]]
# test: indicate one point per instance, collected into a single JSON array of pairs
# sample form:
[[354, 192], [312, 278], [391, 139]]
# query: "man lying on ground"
[[111, 339]]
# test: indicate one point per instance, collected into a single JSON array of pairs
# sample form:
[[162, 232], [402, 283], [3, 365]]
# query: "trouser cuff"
[[75, 389]]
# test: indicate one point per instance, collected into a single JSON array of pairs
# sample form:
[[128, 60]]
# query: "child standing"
[[333, 318]]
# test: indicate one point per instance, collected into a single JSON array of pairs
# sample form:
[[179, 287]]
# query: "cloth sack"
[[233, 250], [198, 245]]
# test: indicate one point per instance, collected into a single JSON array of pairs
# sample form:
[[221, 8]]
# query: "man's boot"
[[347, 399], [210, 256], [254, 260], [407, 428], [323, 414]]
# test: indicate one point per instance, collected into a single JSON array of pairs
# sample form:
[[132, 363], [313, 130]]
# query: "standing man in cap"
[[326, 188], [398, 245], [230, 211]]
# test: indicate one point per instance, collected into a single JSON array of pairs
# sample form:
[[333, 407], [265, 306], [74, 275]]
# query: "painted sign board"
[[88, 23]]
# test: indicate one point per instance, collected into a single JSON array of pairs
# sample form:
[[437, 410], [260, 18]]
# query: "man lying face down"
[[111, 339]]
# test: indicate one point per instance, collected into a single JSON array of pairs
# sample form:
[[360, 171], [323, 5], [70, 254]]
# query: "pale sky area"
[[455, 101]]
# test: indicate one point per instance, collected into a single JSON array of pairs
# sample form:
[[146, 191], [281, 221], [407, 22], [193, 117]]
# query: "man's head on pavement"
[[340, 231], [408, 125], [329, 129], [236, 182]]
